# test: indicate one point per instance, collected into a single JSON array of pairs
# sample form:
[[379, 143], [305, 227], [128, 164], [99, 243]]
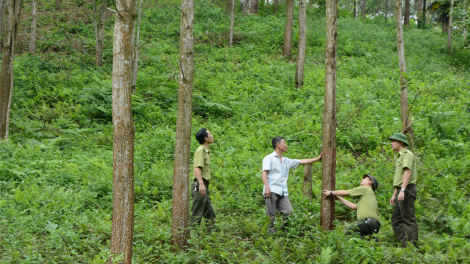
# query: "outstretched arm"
[[347, 203], [310, 161], [326, 193]]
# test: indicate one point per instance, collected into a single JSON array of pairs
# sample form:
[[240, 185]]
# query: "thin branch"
[[409, 112], [111, 10], [116, 8], [178, 9], [362, 106]]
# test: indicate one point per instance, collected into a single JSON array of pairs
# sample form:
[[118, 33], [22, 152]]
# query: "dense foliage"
[[56, 170]]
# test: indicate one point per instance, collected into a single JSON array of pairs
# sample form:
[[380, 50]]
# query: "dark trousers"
[[403, 219], [364, 227], [202, 205], [280, 203]]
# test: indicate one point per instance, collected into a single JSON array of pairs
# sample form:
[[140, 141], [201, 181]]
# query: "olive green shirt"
[[367, 204], [202, 160], [405, 159]]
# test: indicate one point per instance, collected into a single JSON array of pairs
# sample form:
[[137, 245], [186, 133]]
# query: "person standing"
[[403, 199], [202, 204], [367, 209], [274, 176]]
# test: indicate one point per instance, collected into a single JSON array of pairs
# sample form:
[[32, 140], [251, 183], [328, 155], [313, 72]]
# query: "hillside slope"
[[56, 171]]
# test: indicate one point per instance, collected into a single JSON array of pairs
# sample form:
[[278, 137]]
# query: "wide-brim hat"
[[399, 137], [375, 182]]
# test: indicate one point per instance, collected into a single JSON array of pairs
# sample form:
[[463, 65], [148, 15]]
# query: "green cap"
[[375, 182], [399, 137]]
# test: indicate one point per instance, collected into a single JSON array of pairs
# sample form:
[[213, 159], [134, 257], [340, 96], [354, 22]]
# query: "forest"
[[100, 102]]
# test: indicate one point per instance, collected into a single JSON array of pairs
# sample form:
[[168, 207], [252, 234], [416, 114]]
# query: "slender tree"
[[407, 12], [449, 31], [2, 14], [180, 216], [250, 6], [100, 24], [123, 133], [12, 21], [32, 39], [136, 52], [355, 9], [363, 9], [428, 15], [231, 23], [57, 4], [329, 117], [275, 4], [307, 183], [378, 8], [402, 68], [288, 32], [299, 69], [386, 10], [420, 12]]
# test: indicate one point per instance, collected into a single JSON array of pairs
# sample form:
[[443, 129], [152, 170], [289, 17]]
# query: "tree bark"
[[402, 67], [180, 216], [2, 15], [428, 16], [32, 39], [363, 9], [250, 6], [407, 12], [275, 4], [135, 66], [231, 23], [307, 183], [420, 12], [299, 69], [355, 9], [386, 10], [288, 32], [123, 133], [449, 30], [329, 117], [57, 5], [99, 35], [378, 8], [12, 21]]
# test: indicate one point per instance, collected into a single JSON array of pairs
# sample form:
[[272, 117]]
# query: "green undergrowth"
[[56, 169]]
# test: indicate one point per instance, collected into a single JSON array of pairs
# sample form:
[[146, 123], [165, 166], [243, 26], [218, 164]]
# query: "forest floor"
[[56, 169]]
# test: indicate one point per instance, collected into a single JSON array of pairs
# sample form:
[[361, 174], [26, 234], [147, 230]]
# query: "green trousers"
[[202, 205], [403, 219]]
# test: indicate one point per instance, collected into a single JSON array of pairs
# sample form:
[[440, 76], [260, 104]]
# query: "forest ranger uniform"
[[403, 219]]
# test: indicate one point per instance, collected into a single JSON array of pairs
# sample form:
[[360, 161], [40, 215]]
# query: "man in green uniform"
[[403, 198], [202, 205], [367, 209]]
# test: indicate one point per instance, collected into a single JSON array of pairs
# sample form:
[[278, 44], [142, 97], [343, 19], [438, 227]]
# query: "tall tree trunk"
[[135, 66], [123, 133], [99, 37], [180, 217], [449, 30], [355, 9], [231, 23], [428, 16], [299, 69], [402, 67], [464, 29], [276, 3], [57, 5], [378, 8], [407, 12], [12, 21], [386, 10], [2, 15], [329, 117], [420, 12], [363, 9], [307, 183], [288, 32], [32, 39], [250, 6], [156, 2]]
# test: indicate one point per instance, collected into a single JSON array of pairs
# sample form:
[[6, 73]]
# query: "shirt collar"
[[205, 149], [403, 150]]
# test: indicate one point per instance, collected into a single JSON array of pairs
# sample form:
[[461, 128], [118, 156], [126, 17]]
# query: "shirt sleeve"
[[358, 191], [267, 163], [293, 163], [407, 161], [198, 158]]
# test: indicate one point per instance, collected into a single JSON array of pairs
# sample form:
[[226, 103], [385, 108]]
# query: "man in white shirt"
[[275, 174]]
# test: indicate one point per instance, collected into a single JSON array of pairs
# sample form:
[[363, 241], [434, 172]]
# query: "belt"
[[372, 220]]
